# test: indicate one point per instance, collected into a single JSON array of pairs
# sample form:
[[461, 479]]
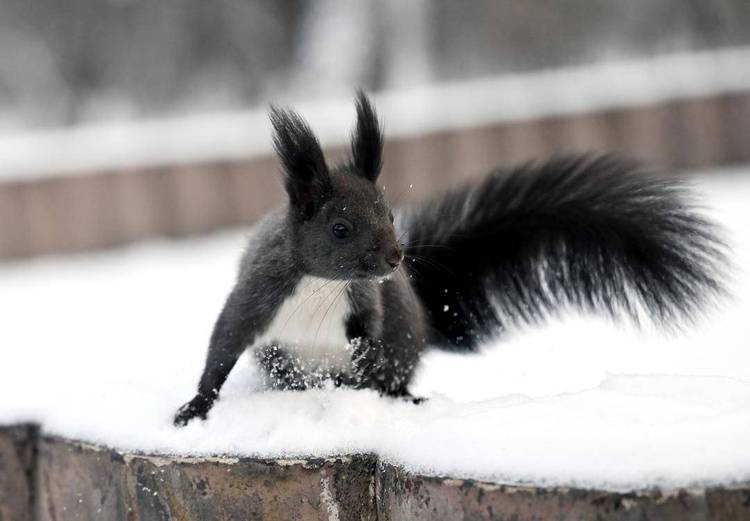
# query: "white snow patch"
[[105, 347], [407, 112]]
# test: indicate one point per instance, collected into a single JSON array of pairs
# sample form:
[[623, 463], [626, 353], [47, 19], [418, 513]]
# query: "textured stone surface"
[[83, 482], [17, 453], [402, 496], [47, 479]]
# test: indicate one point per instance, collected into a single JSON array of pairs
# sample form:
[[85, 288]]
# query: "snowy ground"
[[104, 348]]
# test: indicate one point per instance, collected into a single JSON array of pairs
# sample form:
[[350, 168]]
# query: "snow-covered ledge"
[[578, 419], [48, 478]]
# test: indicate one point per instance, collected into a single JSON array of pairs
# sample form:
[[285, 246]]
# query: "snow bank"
[[104, 348], [407, 112]]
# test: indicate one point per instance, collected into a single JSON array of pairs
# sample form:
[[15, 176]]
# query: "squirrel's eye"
[[390, 216], [340, 230]]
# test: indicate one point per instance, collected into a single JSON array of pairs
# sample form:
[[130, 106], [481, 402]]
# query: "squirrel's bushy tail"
[[594, 232]]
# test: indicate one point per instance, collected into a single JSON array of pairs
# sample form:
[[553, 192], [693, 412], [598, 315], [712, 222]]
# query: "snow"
[[407, 111], [105, 347]]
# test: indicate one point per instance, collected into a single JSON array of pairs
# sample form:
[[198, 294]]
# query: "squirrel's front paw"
[[367, 366], [197, 407]]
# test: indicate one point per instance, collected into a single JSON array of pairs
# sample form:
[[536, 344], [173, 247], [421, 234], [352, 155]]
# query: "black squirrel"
[[324, 289]]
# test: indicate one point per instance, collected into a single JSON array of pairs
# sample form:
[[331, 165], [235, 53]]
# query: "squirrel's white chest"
[[311, 323]]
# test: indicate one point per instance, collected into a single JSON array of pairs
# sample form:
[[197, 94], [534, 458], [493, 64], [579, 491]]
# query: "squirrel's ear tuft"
[[367, 140], [306, 177]]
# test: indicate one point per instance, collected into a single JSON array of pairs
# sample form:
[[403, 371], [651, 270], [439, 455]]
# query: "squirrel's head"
[[342, 226]]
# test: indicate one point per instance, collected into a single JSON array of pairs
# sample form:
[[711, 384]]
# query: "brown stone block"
[[645, 133], [735, 110], [202, 196], [425, 162], [84, 482], [403, 496], [69, 214], [701, 129], [45, 211], [145, 202], [255, 187], [17, 467], [89, 206], [474, 152], [14, 221], [588, 133], [528, 141]]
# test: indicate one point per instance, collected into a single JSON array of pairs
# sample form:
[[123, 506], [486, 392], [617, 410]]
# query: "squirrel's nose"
[[394, 258]]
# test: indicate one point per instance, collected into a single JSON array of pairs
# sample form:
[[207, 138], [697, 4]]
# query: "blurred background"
[[122, 120]]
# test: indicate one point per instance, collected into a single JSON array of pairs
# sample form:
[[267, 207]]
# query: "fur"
[[311, 324], [600, 233]]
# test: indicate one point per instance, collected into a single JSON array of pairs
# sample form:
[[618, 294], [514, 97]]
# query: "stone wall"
[[47, 478], [17, 473], [102, 209]]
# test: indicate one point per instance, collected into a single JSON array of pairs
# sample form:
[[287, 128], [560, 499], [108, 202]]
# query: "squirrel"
[[330, 289]]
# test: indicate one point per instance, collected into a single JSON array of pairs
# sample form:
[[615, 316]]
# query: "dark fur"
[[594, 232]]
